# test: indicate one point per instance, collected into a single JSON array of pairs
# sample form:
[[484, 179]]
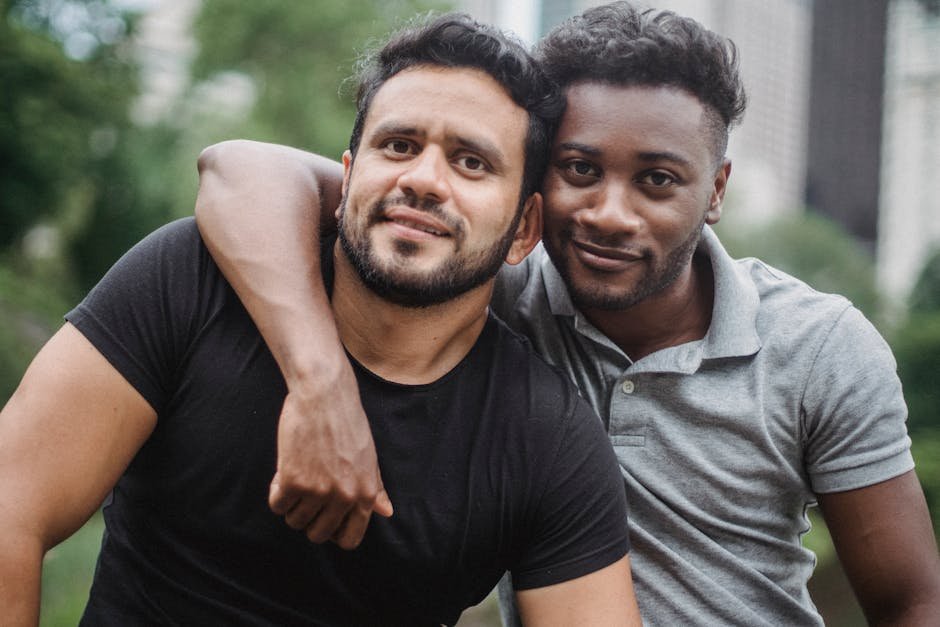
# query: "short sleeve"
[[580, 522], [854, 410], [141, 312]]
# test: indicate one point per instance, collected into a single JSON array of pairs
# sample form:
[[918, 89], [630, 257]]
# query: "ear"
[[718, 193], [347, 168], [528, 232]]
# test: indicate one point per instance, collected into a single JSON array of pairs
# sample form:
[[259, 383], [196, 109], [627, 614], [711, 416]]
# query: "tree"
[[814, 249], [297, 55], [917, 348]]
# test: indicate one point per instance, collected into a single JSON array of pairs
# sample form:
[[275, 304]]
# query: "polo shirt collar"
[[733, 329]]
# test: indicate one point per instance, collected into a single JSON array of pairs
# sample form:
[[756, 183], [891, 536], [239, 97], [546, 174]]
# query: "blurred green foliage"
[[82, 181], [916, 345], [299, 58], [813, 248]]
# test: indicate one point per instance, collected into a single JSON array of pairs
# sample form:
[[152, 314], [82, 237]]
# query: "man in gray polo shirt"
[[735, 396]]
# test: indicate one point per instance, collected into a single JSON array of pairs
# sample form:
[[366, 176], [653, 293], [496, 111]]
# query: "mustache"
[[427, 205], [612, 241]]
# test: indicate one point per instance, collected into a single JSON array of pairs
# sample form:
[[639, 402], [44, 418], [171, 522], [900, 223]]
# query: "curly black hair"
[[621, 45], [457, 40]]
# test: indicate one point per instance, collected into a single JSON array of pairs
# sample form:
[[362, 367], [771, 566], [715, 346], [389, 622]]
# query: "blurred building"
[[164, 48], [847, 87], [909, 203], [843, 114]]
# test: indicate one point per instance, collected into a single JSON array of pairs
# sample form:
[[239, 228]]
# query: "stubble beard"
[[392, 280], [595, 294]]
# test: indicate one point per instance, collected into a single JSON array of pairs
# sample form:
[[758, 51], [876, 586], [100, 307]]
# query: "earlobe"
[[713, 215], [347, 168], [529, 231]]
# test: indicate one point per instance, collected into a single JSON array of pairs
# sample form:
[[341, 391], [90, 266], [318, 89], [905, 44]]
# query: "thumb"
[[277, 500], [383, 504]]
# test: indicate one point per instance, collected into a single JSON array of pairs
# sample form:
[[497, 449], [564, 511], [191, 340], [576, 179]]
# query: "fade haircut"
[[620, 45], [456, 40]]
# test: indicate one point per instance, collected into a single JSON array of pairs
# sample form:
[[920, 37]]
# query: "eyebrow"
[[665, 155], [586, 149], [649, 156], [485, 148]]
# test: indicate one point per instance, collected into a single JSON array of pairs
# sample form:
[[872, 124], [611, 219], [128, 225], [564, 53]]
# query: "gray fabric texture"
[[724, 442]]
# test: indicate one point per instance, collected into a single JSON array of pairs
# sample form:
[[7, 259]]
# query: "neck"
[[405, 345], [681, 313]]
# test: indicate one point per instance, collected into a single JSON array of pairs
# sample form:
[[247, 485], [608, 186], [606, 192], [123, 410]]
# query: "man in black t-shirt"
[[160, 393]]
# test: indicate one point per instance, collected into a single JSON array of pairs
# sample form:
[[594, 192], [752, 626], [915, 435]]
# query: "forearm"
[[20, 576], [884, 539], [260, 209]]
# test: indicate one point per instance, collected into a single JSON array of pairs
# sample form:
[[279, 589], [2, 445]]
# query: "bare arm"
[[66, 435], [260, 209], [886, 544], [604, 598]]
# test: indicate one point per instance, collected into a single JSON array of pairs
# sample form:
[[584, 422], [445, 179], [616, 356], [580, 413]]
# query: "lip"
[[415, 224], [604, 258]]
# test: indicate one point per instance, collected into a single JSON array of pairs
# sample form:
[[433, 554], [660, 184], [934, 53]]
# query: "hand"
[[328, 481]]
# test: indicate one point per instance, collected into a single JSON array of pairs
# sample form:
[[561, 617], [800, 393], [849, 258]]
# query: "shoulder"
[[790, 310], [517, 357], [539, 401]]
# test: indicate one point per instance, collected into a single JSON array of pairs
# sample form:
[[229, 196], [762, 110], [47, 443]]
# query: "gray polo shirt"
[[724, 441]]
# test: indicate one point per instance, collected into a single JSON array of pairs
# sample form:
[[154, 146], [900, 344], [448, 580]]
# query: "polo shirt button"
[[627, 387]]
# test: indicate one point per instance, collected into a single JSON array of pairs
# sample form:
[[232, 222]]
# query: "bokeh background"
[[105, 105]]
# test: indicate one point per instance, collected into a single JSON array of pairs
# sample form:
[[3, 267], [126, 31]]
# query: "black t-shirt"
[[497, 465]]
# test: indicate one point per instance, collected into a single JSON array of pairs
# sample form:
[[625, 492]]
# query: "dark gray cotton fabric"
[[484, 477]]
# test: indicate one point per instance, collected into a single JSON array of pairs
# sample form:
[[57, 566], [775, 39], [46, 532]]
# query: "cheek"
[[562, 206]]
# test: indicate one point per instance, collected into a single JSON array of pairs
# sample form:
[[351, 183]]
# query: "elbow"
[[218, 153]]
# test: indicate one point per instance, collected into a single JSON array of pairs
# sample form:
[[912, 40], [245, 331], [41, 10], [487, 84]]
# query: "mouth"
[[605, 258], [415, 224]]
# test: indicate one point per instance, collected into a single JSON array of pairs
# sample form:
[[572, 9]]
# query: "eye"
[[580, 172], [472, 163], [399, 147], [657, 178]]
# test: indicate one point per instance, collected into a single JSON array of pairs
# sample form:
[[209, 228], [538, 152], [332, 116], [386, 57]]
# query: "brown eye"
[[657, 179], [471, 163], [580, 167], [399, 147]]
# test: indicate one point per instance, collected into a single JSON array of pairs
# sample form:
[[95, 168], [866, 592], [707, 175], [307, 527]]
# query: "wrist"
[[321, 365]]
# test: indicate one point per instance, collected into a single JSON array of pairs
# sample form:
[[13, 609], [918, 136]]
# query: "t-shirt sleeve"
[[580, 520], [854, 410], [141, 312]]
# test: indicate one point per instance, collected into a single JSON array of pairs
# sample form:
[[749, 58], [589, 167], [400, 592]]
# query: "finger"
[[383, 504], [303, 514], [353, 529], [280, 500], [327, 521]]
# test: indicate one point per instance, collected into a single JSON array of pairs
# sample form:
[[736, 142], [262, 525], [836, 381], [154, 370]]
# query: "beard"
[[395, 282], [598, 295]]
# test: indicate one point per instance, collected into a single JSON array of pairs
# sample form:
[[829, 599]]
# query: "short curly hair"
[[621, 45], [457, 40]]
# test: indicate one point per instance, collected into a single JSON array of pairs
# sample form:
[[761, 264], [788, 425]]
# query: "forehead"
[[634, 120], [453, 103]]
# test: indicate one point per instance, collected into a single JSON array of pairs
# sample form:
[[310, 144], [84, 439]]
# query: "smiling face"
[[432, 199], [633, 178]]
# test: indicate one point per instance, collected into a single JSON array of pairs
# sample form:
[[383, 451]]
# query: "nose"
[[611, 212], [425, 176]]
